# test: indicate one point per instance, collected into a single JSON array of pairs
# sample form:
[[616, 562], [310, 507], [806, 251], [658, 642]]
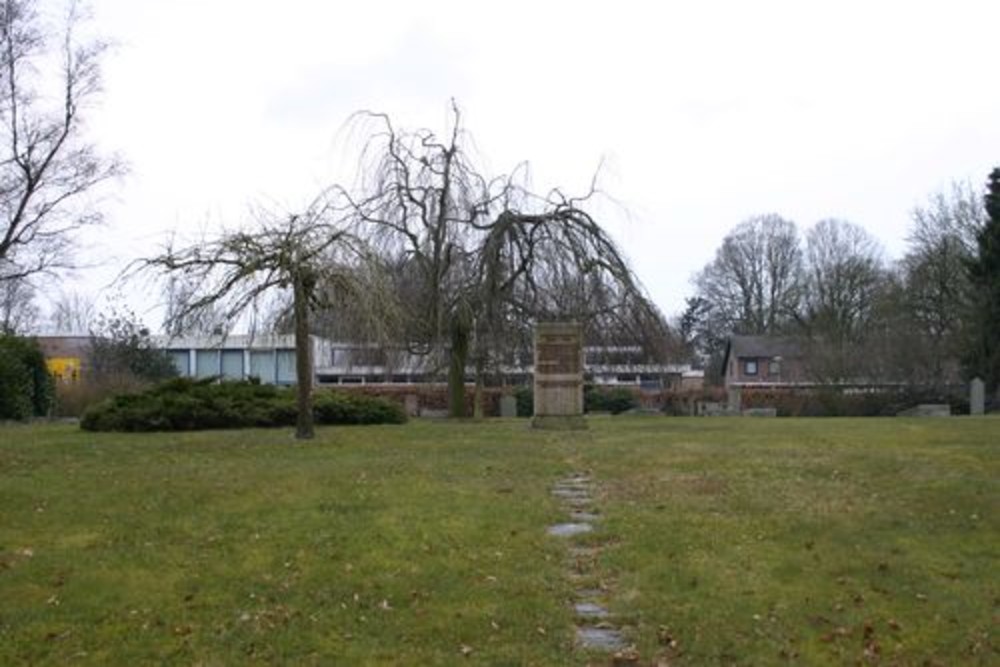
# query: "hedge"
[[183, 404], [26, 388], [834, 402]]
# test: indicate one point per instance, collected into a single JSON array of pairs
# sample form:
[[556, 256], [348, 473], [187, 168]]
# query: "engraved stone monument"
[[559, 376]]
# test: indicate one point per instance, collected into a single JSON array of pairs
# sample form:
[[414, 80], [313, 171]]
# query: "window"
[[774, 367], [262, 365], [750, 367], [232, 364], [206, 363]]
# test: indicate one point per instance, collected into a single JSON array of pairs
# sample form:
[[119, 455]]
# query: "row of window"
[[773, 367], [271, 366]]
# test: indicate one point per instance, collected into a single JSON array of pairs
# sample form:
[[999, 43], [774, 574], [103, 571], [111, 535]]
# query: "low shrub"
[[73, 399], [614, 400], [184, 404], [334, 407], [836, 402]]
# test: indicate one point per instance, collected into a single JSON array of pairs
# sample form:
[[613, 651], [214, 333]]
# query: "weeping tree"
[[293, 255], [476, 259]]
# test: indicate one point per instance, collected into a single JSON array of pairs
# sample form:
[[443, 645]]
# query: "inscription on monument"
[[559, 375], [559, 355]]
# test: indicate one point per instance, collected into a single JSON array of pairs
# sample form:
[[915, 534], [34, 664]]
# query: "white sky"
[[705, 112]]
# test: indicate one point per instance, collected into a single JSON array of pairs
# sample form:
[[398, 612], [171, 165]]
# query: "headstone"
[[411, 403], [735, 400], [977, 397], [760, 412], [559, 376], [508, 406]]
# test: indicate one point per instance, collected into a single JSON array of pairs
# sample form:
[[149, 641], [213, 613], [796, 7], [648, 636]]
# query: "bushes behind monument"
[[184, 404]]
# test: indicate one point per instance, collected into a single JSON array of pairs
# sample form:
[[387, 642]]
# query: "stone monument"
[[559, 376], [977, 397]]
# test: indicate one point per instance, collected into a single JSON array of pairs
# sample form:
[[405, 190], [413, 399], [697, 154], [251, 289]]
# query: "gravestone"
[[977, 397], [411, 403], [559, 376], [508, 406], [734, 400]]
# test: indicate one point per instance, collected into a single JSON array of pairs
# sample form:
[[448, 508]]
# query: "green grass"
[[747, 541]]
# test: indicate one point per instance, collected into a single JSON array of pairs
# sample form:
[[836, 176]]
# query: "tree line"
[[429, 254], [930, 318]]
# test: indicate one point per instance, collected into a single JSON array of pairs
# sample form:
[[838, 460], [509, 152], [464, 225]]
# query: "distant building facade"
[[67, 357], [271, 358], [764, 361]]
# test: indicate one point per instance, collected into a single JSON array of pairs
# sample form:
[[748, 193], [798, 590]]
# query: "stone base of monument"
[[559, 422]]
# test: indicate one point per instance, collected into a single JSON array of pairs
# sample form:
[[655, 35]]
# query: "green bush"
[[833, 402], [26, 388], [525, 397], [332, 407], [615, 400], [184, 404]]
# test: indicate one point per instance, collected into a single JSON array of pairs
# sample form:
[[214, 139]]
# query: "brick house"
[[764, 361]]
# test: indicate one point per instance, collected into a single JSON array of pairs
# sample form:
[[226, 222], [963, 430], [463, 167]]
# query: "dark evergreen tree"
[[25, 384], [984, 273]]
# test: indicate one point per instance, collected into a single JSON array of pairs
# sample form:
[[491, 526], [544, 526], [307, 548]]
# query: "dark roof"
[[787, 347], [764, 346]]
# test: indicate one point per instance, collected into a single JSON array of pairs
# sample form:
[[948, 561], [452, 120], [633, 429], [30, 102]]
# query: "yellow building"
[[65, 370]]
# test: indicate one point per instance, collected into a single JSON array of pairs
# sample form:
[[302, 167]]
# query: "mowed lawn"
[[723, 541]]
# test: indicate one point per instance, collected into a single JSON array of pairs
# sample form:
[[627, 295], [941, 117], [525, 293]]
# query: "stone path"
[[596, 629]]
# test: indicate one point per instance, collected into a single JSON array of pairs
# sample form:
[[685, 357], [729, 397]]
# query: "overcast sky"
[[704, 112]]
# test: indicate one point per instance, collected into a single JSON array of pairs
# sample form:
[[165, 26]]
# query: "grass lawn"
[[724, 541]]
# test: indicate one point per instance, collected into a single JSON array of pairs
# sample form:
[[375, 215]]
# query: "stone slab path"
[[596, 629]]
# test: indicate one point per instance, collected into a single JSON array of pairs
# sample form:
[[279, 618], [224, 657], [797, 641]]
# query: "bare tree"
[[72, 312], [182, 320], [476, 258], [844, 274], [46, 166], [296, 253], [938, 290], [18, 311], [754, 283]]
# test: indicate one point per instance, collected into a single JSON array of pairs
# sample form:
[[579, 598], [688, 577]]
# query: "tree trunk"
[[458, 358], [303, 362], [477, 400]]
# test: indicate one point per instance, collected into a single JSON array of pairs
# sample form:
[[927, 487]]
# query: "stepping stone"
[[597, 638], [571, 494], [590, 610], [583, 552], [569, 529], [589, 593], [579, 515]]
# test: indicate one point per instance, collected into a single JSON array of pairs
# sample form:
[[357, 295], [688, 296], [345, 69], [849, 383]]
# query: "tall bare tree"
[[296, 253], [477, 257], [754, 283], [47, 80], [844, 274], [938, 294], [72, 312]]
